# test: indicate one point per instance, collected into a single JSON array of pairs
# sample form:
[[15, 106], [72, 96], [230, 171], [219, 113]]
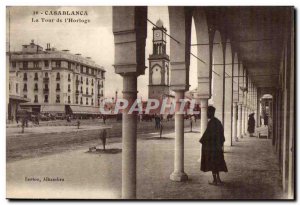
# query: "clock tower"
[[159, 65]]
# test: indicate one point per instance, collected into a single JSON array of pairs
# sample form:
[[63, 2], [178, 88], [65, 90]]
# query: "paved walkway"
[[253, 173]]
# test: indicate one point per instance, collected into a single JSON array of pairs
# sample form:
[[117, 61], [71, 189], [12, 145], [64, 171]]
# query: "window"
[[46, 86], [87, 91], [81, 68], [57, 76], [81, 89], [76, 100], [93, 71], [92, 101], [81, 101], [57, 87], [69, 77], [25, 96], [69, 65], [87, 70], [17, 88], [36, 76], [25, 76], [57, 98], [36, 88], [14, 64], [57, 64], [69, 88], [69, 99], [87, 81], [36, 99], [25, 87], [87, 101], [98, 102], [46, 99], [92, 91], [9, 86], [35, 64], [46, 63], [92, 81], [25, 64], [81, 79], [46, 75]]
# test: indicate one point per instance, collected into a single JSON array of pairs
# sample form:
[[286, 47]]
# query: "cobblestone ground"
[[253, 172]]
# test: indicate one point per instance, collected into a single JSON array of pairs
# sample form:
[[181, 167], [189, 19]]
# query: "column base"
[[179, 176]]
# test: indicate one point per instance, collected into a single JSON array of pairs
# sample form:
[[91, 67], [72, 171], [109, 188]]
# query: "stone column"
[[178, 173], [129, 141], [130, 32], [204, 120], [234, 123], [243, 119], [240, 120]]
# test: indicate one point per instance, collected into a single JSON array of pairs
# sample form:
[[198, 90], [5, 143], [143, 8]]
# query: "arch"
[[228, 94], [217, 75], [180, 19], [156, 74], [235, 78], [203, 52]]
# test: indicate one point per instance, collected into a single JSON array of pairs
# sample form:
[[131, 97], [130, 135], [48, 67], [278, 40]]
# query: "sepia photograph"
[[150, 102]]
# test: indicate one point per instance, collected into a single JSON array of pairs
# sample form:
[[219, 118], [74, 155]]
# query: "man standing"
[[212, 157], [251, 124]]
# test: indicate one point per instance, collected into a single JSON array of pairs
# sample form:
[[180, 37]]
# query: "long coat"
[[251, 124], [212, 157]]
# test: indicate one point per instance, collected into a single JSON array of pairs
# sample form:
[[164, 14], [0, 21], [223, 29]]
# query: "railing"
[[46, 80], [46, 90]]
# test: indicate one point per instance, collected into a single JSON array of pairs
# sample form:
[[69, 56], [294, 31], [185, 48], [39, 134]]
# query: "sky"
[[94, 39]]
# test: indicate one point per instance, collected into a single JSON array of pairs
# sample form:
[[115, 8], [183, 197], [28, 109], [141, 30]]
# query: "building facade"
[[52, 79]]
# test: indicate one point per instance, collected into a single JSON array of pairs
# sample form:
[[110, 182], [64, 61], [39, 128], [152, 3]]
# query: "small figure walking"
[[161, 129], [103, 136], [78, 124]]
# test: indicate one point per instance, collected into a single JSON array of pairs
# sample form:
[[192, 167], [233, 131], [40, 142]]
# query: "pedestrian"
[[103, 137], [161, 128], [266, 120], [156, 121], [251, 124], [104, 119], [212, 157]]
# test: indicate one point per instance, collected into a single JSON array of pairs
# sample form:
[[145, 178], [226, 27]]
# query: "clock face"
[[157, 35]]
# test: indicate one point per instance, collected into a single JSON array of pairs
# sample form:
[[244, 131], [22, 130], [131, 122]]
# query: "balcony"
[[69, 79], [36, 89], [25, 90], [36, 79], [24, 79], [57, 89], [77, 82], [100, 95], [45, 91], [77, 92], [46, 101], [69, 90], [57, 101], [57, 79], [46, 80]]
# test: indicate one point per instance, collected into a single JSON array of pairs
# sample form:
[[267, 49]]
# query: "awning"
[[77, 109], [52, 108], [19, 98]]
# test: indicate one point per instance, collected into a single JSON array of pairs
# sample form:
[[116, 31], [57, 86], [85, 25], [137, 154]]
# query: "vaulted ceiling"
[[257, 34]]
